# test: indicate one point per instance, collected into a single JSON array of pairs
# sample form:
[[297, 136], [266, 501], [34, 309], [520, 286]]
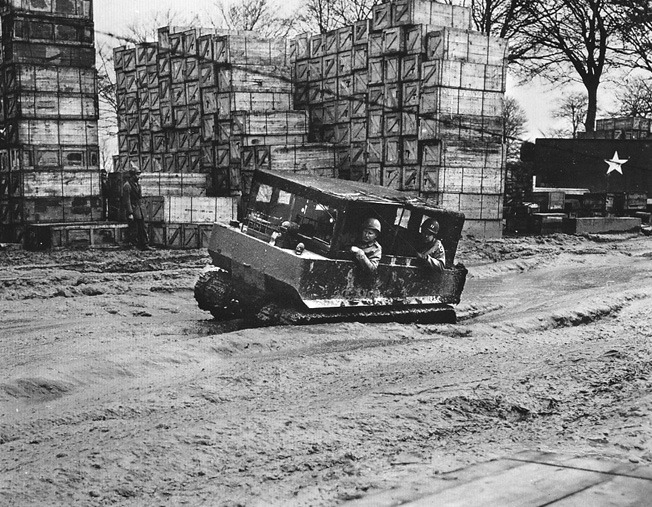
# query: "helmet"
[[372, 223], [431, 225]]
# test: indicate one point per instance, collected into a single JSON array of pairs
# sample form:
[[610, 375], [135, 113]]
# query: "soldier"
[[366, 251], [131, 203], [430, 251]]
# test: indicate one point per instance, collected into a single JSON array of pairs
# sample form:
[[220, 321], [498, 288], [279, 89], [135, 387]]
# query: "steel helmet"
[[372, 223], [431, 225]]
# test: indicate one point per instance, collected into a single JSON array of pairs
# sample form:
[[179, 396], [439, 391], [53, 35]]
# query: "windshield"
[[274, 206]]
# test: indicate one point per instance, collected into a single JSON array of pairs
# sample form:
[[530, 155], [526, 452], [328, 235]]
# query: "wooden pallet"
[[528, 479]]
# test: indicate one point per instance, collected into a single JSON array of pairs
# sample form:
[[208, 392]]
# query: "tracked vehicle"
[[286, 260]]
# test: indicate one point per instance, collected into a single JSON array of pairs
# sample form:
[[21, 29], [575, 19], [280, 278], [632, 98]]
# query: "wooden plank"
[[514, 487]]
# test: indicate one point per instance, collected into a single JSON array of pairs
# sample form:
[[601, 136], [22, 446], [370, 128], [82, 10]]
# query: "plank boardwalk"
[[528, 479]]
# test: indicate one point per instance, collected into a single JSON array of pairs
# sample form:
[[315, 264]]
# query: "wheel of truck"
[[214, 293]]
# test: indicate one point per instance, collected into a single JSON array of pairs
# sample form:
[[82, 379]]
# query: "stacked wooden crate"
[[413, 100], [204, 110], [49, 155], [629, 127]]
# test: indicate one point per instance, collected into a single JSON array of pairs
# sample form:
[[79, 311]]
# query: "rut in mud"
[[116, 389]]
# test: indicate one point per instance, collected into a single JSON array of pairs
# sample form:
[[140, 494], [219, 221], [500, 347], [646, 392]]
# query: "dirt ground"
[[115, 389]]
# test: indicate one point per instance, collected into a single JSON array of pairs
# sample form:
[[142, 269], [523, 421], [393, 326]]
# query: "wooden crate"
[[60, 209], [265, 79], [192, 210], [270, 123], [313, 158], [60, 183], [227, 103], [393, 40], [250, 49], [361, 31], [465, 45], [91, 235], [186, 184], [381, 16], [43, 78], [421, 12]]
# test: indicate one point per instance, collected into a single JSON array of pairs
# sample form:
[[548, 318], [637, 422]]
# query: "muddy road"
[[115, 389]]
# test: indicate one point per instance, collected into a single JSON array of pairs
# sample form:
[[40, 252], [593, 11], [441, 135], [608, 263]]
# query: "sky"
[[537, 99]]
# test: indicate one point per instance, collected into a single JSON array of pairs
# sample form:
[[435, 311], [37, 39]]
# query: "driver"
[[367, 251]]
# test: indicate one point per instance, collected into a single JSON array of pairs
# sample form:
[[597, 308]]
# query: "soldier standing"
[[132, 206]]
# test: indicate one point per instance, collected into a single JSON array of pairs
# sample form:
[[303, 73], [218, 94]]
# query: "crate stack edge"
[[49, 147]]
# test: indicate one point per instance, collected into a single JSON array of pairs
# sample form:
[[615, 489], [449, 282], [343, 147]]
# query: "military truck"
[[287, 260]]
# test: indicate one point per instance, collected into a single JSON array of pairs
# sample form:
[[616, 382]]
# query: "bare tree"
[[572, 40], [514, 121], [572, 109], [507, 19], [322, 16], [635, 98], [636, 32], [253, 15]]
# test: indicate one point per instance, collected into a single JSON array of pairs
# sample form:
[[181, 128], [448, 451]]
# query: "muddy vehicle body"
[[287, 260]]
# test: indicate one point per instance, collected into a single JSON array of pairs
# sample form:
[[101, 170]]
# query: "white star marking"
[[615, 164]]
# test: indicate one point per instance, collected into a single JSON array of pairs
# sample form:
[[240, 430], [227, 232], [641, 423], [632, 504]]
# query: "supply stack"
[[628, 127], [198, 111], [413, 99], [49, 155]]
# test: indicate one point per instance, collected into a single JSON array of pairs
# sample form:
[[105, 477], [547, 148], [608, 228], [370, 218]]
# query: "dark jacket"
[[131, 199], [369, 257], [432, 255]]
